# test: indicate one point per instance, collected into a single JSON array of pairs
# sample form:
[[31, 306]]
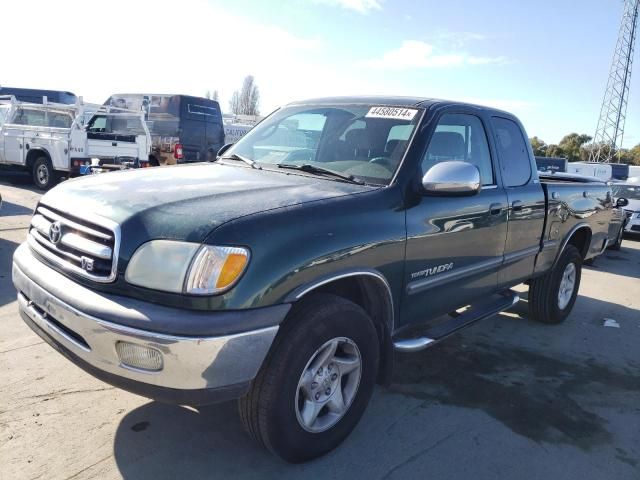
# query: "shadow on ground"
[[17, 179], [540, 394], [623, 262], [7, 292], [9, 209]]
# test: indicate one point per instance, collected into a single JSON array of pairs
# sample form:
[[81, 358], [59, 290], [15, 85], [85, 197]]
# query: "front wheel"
[[44, 177], [551, 296], [316, 382]]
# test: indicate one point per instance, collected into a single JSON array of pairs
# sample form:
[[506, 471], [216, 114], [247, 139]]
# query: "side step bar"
[[432, 334]]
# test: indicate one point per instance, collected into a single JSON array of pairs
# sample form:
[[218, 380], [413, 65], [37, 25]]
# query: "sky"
[[546, 61]]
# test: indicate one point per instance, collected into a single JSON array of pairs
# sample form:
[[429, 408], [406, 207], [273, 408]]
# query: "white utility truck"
[[51, 140]]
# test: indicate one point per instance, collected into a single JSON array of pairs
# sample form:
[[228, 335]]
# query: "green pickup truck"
[[286, 273]]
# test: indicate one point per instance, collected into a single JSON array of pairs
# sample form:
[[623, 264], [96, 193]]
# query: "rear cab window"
[[513, 151]]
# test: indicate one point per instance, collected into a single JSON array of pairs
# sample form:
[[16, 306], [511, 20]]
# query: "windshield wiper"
[[307, 167], [235, 156]]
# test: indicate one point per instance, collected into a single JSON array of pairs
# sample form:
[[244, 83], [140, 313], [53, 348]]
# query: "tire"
[[618, 243], [44, 177], [272, 410], [545, 302]]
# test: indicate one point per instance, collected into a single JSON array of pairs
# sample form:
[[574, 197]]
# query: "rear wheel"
[[44, 177], [316, 382], [551, 296]]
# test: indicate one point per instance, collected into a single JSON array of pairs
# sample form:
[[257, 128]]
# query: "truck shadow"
[[7, 292], [507, 368], [17, 179], [624, 262], [9, 209]]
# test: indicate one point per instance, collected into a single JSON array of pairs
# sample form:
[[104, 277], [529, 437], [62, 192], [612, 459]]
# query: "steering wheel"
[[305, 154], [380, 161]]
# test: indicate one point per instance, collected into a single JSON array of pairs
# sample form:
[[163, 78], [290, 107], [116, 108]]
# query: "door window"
[[31, 117], [59, 119], [514, 153], [460, 137]]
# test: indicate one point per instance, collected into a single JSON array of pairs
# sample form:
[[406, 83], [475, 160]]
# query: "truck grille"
[[88, 249]]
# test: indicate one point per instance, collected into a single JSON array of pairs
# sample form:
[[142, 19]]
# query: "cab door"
[[455, 244], [526, 212]]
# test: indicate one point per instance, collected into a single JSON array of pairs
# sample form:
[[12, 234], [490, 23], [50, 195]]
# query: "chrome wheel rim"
[[42, 173], [567, 286], [328, 385]]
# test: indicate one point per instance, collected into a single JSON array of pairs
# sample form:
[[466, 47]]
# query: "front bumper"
[[633, 225], [195, 369]]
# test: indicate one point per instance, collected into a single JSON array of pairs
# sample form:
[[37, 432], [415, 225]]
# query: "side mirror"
[[622, 202], [223, 149], [453, 178]]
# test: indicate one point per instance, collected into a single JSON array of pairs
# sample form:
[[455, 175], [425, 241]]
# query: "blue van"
[[183, 128], [32, 95]]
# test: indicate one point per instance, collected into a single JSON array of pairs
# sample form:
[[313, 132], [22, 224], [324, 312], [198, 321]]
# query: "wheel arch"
[[370, 290], [33, 154], [580, 237]]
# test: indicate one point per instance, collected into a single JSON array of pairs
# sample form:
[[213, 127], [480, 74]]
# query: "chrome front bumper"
[[188, 362]]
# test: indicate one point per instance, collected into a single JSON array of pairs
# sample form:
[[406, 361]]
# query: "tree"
[[539, 147], [234, 103], [212, 96], [245, 101], [572, 144], [630, 156], [555, 151]]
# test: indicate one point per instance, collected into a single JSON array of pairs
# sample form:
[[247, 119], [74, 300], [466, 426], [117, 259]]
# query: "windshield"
[[127, 124], [626, 191], [161, 112], [363, 141]]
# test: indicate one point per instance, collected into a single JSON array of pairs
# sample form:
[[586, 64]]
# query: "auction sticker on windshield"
[[392, 112]]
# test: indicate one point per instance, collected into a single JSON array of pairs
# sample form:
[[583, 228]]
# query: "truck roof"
[[401, 101]]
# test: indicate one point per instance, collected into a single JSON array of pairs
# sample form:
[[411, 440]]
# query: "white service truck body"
[[51, 140]]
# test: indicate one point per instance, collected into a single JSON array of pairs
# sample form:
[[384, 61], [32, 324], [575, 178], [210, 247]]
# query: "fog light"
[[138, 356]]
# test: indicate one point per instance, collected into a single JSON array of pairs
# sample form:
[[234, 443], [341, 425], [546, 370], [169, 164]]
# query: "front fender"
[[298, 248]]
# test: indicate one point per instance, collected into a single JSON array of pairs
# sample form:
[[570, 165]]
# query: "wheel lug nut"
[[334, 376], [327, 391], [320, 371], [318, 396]]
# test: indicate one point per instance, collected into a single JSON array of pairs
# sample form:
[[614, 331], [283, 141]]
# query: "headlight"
[[182, 267]]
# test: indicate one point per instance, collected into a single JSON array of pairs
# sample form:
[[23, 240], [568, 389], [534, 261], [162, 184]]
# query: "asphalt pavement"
[[507, 398]]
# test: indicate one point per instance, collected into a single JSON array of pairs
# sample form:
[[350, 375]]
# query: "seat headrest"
[[447, 144], [357, 138]]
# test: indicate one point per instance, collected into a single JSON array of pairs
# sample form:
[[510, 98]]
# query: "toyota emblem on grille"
[[55, 233]]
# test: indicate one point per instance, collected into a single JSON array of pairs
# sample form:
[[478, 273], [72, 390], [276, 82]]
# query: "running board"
[[479, 311]]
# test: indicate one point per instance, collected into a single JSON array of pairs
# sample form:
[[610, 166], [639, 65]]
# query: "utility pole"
[[610, 130]]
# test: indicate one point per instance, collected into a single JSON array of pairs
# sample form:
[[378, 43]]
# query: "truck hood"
[[187, 202]]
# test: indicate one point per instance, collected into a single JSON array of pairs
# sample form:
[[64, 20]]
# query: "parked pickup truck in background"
[[287, 272], [49, 140], [631, 193]]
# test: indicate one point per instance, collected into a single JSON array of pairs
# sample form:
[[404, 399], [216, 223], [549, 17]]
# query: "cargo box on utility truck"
[[287, 272]]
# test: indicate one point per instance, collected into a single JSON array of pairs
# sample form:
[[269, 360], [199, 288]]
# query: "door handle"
[[516, 205], [495, 208]]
